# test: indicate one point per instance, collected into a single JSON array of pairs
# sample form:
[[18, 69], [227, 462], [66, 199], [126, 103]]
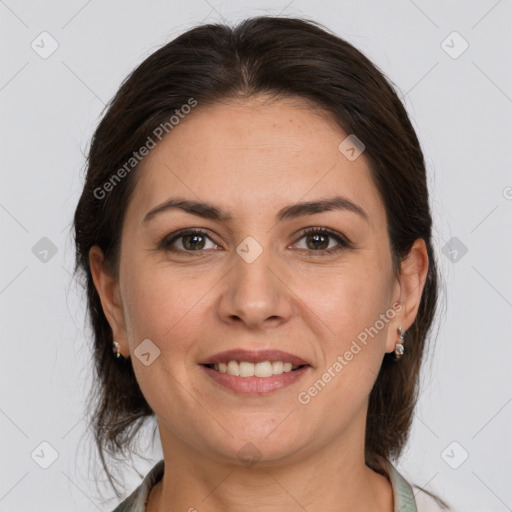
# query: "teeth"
[[277, 367], [246, 369], [262, 369], [233, 368]]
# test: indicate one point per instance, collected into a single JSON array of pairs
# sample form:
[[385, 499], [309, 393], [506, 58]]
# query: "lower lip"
[[256, 385]]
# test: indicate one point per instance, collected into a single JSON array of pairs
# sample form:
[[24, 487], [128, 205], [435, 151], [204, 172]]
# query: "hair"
[[282, 58]]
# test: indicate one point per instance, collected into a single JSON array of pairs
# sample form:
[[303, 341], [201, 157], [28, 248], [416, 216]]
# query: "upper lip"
[[254, 356]]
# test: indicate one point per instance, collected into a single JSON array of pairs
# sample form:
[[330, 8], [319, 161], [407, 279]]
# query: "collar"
[[402, 491]]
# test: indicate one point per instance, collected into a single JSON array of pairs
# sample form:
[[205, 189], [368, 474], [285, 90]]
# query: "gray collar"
[[402, 491]]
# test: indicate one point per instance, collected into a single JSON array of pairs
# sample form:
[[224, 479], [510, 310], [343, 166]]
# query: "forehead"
[[245, 154]]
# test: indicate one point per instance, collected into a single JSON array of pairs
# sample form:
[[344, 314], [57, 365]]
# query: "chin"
[[260, 444]]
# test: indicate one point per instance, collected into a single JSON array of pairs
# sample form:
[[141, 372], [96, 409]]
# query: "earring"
[[399, 347], [116, 348]]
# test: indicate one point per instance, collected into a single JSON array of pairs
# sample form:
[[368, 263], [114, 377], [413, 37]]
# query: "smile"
[[254, 385], [254, 372], [248, 369]]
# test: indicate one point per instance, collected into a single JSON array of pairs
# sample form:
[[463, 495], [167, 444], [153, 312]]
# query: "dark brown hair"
[[283, 58]]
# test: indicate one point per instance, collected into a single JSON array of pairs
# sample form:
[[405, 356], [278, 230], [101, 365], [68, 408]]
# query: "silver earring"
[[116, 348], [399, 347]]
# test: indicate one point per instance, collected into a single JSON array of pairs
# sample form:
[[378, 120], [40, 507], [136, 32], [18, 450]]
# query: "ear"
[[107, 287], [408, 290]]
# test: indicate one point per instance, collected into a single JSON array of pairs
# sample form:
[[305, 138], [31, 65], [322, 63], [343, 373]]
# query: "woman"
[[255, 234]]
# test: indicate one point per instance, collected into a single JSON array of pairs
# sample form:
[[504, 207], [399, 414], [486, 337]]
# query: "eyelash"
[[343, 242]]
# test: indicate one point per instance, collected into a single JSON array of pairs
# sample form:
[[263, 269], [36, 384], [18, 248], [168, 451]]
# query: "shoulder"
[[138, 499]]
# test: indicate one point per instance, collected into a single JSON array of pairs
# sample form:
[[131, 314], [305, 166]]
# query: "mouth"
[[255, 372], [248, 369]]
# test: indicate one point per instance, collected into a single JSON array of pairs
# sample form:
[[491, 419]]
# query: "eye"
[[317, 240], [196, 240], [190, 240]]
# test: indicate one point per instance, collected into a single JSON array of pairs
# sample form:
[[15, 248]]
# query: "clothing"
[[406, 497]]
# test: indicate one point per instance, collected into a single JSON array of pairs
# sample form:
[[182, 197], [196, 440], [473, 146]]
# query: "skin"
[[252, 158]]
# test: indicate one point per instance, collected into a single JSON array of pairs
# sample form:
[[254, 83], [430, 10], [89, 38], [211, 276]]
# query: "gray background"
[[461, 106]]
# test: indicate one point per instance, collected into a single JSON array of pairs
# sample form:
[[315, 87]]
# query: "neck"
[[333, 477]]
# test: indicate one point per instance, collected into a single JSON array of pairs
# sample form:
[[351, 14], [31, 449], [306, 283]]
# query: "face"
[[256, 273]]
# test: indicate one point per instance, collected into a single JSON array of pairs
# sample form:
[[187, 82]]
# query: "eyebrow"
[[209, 211]]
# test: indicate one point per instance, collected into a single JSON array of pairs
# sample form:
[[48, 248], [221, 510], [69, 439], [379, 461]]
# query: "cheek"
[[355, 311], [351, 361], [168, 310], [166, 307], [349, 300]]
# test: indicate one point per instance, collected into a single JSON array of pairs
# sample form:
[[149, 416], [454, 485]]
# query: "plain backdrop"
[[63, 60]]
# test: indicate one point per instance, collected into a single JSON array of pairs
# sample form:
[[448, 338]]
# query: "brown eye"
[[187, 240], [324, 241], [193, 242], [317, 241]]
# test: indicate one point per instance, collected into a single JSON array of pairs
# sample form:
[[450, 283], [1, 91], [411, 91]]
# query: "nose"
[[256, 293]]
